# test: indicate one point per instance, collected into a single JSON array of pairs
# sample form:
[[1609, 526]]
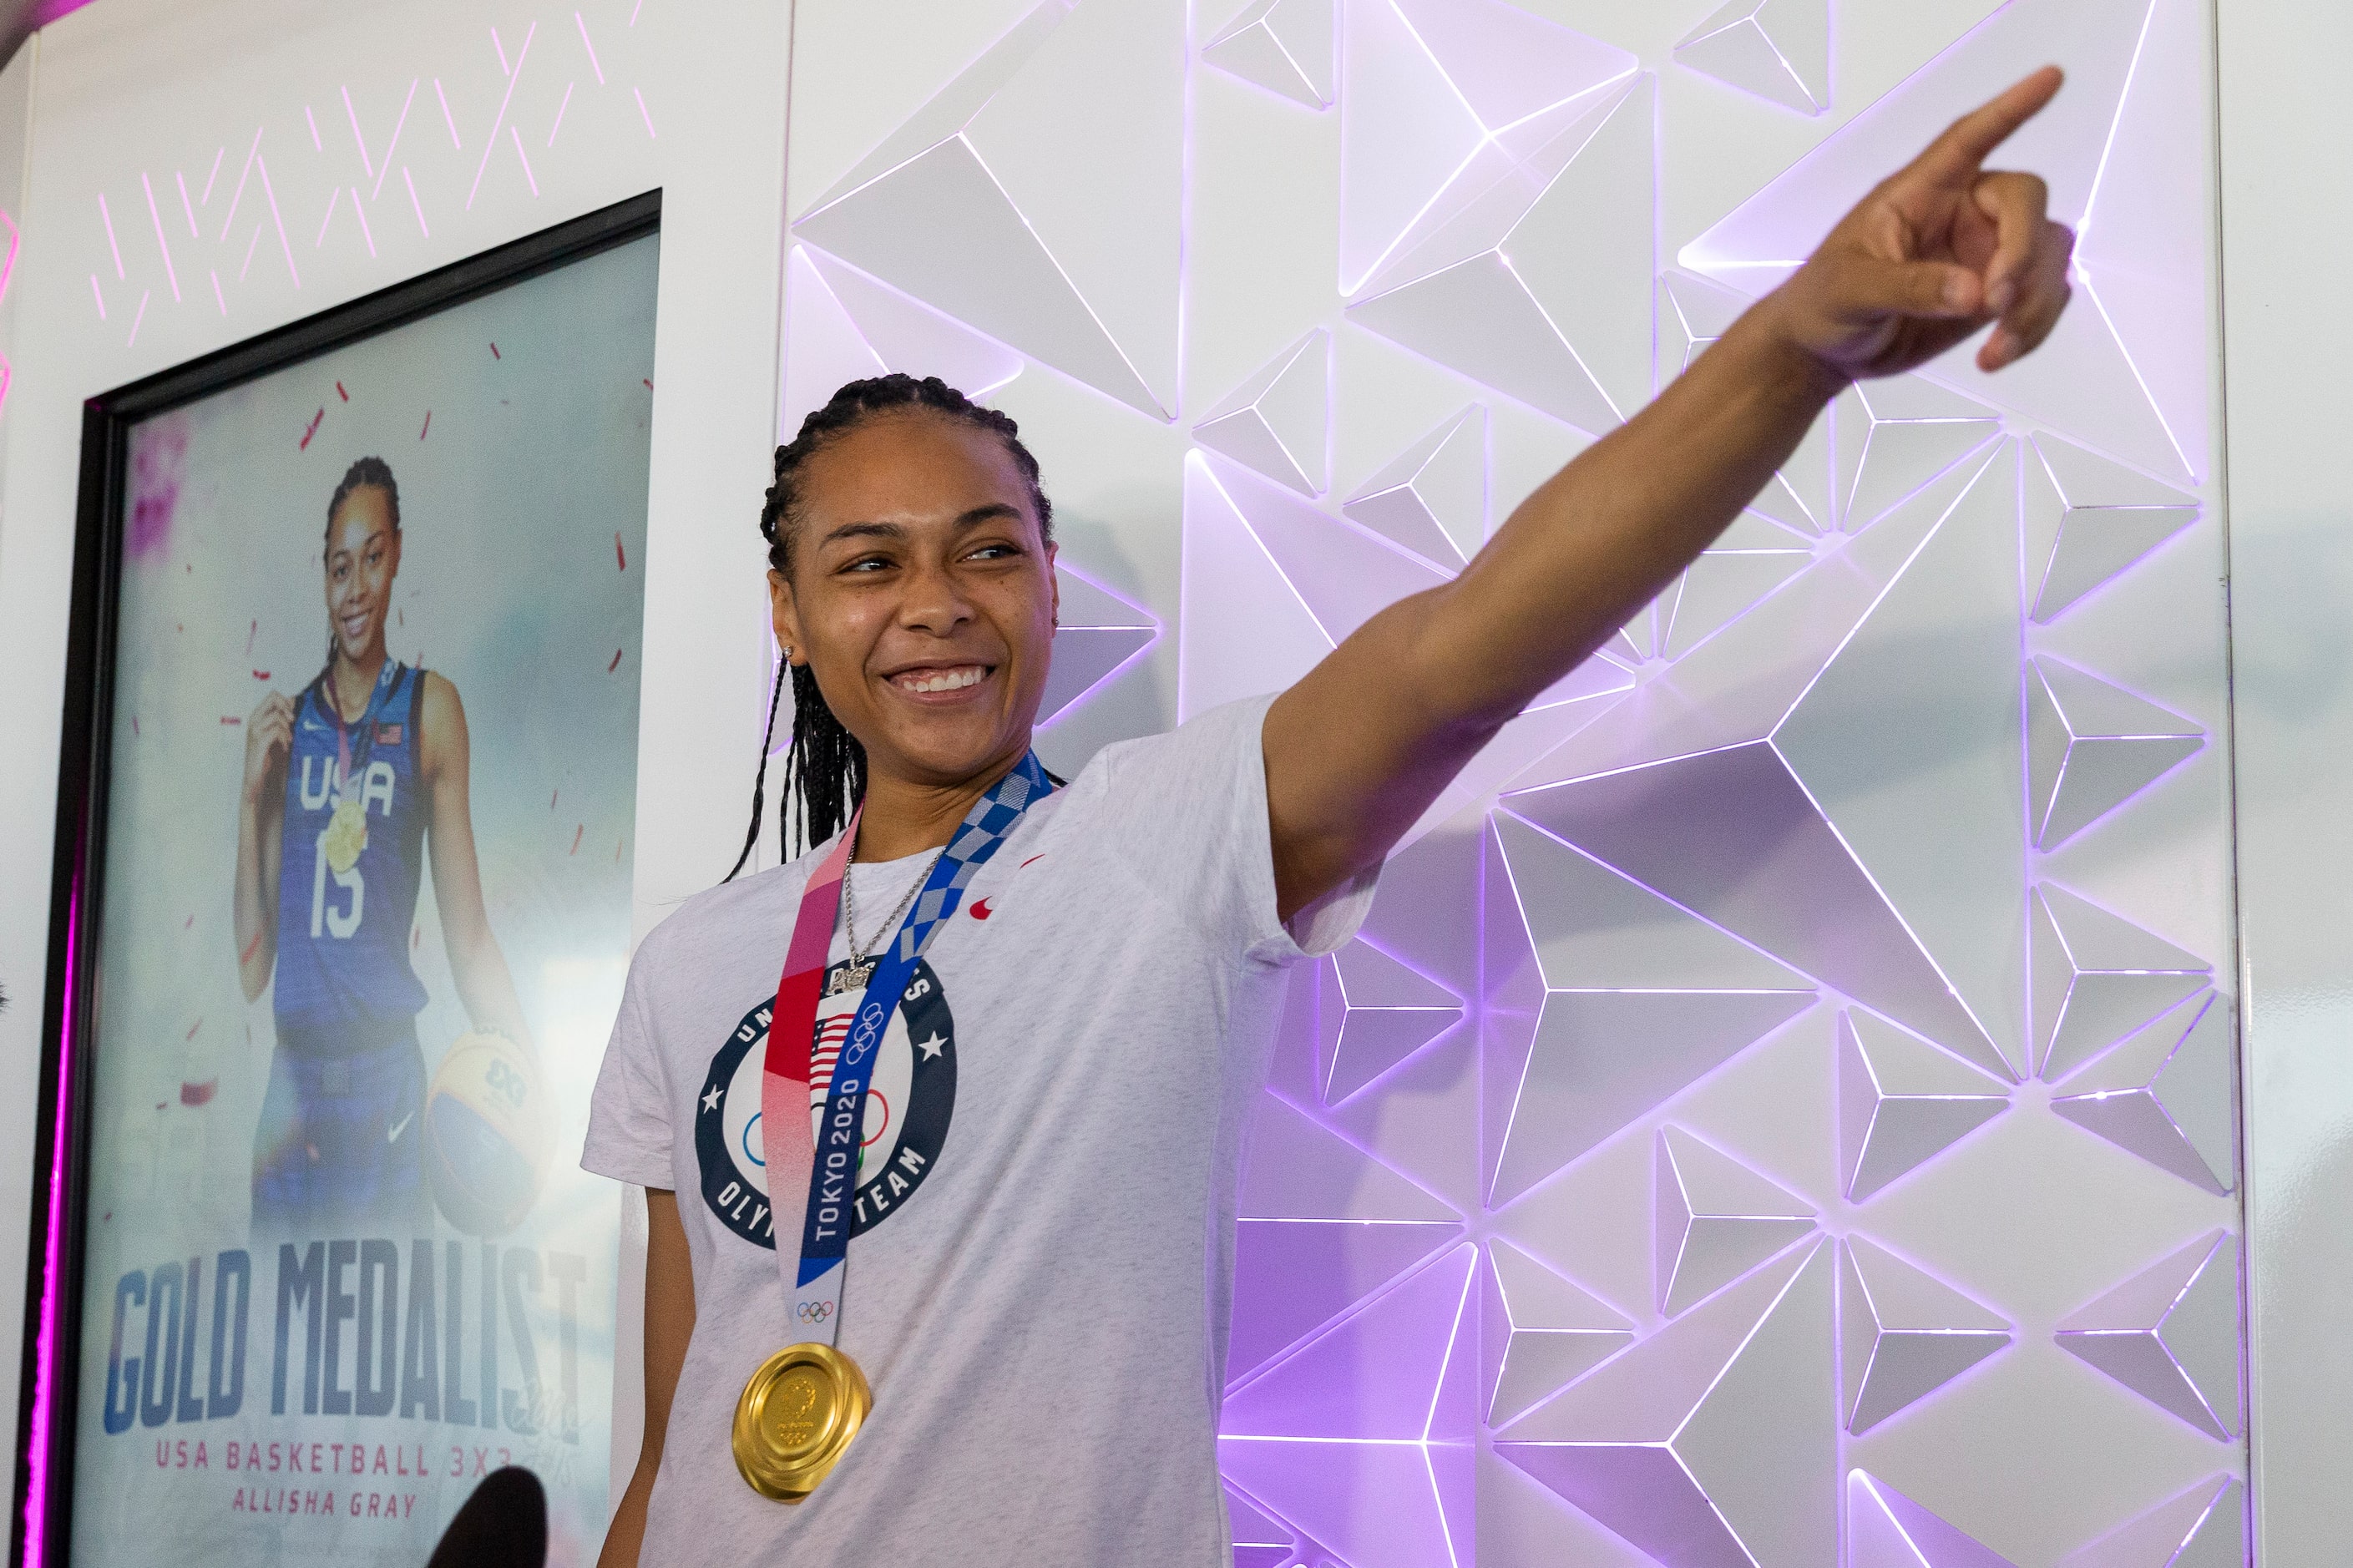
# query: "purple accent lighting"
[[2204, 1526], [1903, 1334], [1888, 1529], [1732, 835], [2170, 1334], [1653, 1158], [2166, 1094], [1283, 45], [1779, 51], [45, 1345]]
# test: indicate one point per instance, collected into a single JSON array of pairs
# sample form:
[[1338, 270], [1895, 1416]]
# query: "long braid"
[[825, 766], [759, 779]]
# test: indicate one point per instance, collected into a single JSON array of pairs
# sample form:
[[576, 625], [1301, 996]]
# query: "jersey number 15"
[[337, 923]]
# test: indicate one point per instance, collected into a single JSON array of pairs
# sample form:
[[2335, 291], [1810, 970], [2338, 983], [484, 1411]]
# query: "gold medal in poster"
[[796, 1418], [346, 835]]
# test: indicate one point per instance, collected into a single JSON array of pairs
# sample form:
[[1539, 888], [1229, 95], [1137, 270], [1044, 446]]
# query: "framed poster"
[[341, 916]]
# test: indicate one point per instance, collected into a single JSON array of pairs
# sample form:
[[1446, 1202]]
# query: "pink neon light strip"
[[559, 112], [499, 123], [8, 262], [585, 44], [397, 126], [445, 115], [361, 213], [284, 243], [527, 174], [242, 174], [353, 114], [169, 272], [108, 218], [45, 1345]]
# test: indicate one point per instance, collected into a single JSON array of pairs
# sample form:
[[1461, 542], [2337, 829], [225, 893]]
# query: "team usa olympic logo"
[[910, 1100]]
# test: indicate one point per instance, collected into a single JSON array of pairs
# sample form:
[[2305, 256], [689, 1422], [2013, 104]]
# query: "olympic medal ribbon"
[[351, 760], [802, 1406], [833, 1171], [786, 1067]]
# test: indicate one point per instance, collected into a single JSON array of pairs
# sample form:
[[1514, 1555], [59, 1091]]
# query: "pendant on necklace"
[[851, 978]]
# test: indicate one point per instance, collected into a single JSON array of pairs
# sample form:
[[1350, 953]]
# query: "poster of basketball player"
[[370, 774]]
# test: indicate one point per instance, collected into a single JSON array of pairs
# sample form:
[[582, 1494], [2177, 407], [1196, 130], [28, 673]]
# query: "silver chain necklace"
[[861, 968]]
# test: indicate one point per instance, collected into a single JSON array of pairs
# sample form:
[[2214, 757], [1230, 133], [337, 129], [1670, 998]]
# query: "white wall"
[[161, 88], [2287, 154]]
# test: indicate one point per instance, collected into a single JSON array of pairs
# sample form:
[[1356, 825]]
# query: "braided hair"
[[825, 770], [365, 473]]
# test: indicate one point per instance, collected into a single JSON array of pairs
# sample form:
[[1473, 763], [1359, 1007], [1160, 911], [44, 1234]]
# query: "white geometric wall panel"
[[1902, 1334], [1285, 45], [1777, 49], [2168, 1094], [1887, 1530], [1902, 1102], [1780, 1109], [2170, 1334], [2205, 1527]]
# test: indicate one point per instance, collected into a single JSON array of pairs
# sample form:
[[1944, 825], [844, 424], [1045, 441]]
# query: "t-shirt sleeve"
[[628, 1114], [1187, 810]]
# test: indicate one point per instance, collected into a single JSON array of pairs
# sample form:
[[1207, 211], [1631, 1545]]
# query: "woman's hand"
[[268, 741], [1941, 248]]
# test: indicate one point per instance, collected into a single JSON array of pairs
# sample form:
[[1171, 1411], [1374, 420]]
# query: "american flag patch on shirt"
[[831, 1034]]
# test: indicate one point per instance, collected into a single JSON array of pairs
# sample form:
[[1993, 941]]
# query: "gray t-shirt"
[[1042, 1263]]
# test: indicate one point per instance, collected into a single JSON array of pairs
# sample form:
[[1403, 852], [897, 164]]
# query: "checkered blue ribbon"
[[833, 1174]]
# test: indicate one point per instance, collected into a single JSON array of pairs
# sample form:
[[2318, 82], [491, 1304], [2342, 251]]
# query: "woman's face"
[[362, 557], [922, 595]]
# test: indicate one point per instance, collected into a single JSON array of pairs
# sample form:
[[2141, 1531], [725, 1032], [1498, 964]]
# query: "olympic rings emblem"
[[815, 1312]]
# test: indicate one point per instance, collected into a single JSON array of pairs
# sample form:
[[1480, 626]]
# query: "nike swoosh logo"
[[980, 910], [399, 1127]]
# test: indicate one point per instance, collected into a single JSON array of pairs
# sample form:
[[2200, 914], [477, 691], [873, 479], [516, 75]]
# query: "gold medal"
[[796, 1418], [347, 833]]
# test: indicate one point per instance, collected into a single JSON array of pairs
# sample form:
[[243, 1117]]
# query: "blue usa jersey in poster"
[[343, 978]]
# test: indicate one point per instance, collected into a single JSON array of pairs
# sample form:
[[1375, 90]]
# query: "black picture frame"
[[48, 1392]]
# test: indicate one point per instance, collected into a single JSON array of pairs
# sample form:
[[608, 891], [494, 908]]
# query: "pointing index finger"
[[1970, 140]]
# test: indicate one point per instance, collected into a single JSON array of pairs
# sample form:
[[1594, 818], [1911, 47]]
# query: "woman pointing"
[[940, 1122]]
